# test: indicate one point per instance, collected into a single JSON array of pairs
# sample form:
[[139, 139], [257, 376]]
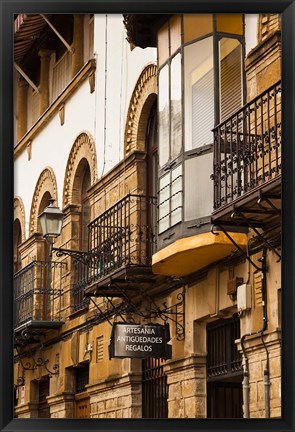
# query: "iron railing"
[[38, 292], [123, 235], [154, 389], [80, 283], [247, 147]]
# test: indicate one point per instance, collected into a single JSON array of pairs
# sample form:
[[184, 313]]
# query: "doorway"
[[224, 370]]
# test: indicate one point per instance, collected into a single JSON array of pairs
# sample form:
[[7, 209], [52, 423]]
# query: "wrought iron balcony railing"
[[122, 236], [38, 293], [80, 283], [247, 148]]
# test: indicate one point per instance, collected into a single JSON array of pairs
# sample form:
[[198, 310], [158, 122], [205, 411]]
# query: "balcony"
[[121, 242], [38, 296], [247, 164]]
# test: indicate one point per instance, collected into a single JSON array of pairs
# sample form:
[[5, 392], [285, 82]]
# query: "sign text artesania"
[[141, 341]]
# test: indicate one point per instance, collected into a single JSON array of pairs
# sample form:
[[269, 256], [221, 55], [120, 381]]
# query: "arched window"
[[82, 182], [85, 209], [43, 204], [152, 173], [17, 239]]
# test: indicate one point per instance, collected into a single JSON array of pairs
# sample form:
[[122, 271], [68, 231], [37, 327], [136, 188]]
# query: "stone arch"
[[19, 213], [83, 148], [142, 99], [45, 183]]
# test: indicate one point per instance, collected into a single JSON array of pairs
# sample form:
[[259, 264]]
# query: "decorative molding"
[[91, 78], [29, 149], [61, 113], [45, 183], [19, 213], [139, 109], [83, 148]]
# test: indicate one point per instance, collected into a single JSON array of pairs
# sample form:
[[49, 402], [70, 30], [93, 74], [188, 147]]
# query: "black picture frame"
[[7, 9]]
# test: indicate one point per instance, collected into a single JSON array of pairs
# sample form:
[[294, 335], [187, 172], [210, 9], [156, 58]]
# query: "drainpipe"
[[246, 387]]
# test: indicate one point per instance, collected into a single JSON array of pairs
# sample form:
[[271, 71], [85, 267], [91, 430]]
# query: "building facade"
[[159, 138]]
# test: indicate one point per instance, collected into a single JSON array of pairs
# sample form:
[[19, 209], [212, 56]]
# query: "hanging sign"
[[140, 341]]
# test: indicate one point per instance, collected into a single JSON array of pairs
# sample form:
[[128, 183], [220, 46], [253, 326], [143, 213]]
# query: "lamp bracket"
[[82, 256]]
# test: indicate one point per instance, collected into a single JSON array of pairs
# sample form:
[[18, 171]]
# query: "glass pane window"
[[164, 115], [176, 114], [199, 93], [198, 202], [170, 111], [164, 195], [176, 195], [170, 199]]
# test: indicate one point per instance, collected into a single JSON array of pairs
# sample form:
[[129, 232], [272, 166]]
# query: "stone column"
[[78, 44], [116, 398], [186, 379], [44, 79], [29, 410], [62, 405], [22, 112]]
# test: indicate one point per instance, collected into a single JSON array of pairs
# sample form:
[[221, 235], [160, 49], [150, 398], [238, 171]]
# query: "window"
[[43, 408], [200, 84], [17, 237], [154, 389], [80, 276], [85, 209], [82, 378], [223, 358], [199, 93]]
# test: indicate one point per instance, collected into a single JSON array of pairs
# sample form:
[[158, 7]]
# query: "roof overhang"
[[142, 28], [27, 28]]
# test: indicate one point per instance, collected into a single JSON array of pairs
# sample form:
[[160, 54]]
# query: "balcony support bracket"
[[237, 246], [259, 234]]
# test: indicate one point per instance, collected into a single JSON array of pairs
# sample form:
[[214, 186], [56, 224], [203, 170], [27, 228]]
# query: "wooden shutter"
[[203, 110]]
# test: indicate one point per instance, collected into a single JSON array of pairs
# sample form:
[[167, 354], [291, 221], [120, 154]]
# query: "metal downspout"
[[246, 386]]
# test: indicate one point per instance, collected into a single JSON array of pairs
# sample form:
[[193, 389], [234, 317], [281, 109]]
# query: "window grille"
[[82, 378], [154, 389], [44, 411], [223, 357]]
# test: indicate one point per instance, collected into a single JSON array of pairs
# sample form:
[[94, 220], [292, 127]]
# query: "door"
[[225, 400]]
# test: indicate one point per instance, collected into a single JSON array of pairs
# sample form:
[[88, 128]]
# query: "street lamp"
[[51, 220]]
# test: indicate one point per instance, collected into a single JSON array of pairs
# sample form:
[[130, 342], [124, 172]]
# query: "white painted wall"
[[251, 31], [118, 69]]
